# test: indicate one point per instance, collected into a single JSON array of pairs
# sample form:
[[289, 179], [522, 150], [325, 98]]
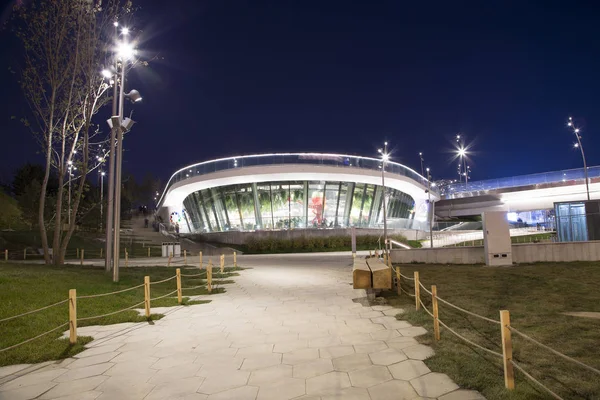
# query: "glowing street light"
[[421, 157], [125, 53], [384, 158], [579, 146]]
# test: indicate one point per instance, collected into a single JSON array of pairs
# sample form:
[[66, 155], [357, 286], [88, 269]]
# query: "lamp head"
[[134, 96]]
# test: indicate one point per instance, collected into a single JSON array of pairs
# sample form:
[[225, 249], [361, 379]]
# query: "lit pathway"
[[287, 329]]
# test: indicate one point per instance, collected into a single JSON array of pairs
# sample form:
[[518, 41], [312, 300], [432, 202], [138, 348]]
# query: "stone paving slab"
[[288, 328]]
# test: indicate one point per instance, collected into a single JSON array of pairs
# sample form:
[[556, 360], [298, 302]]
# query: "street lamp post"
[[118, 125], [580, 146], [384, 158], [421, 157], [101, 197], [111, 166], [430, 208]]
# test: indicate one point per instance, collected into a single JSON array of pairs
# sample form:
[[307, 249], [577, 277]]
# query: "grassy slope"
[[536, 296], [27, 287]]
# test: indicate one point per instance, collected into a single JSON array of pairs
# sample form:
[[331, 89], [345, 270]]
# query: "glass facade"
[[571, 222], [296, 204]]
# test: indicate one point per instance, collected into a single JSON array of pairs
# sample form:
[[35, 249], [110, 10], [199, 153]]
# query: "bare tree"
[[66, 44]]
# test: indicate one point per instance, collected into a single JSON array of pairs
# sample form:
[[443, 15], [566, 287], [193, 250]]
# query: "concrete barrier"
[[382, 274], [556, 252], [361, 274], [237, 237], [522, 253], [440, 255]]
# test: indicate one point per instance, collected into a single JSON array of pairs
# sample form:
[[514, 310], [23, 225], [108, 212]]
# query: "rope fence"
[[72, 299], [34, 311], [111, 313], [531, 378], [33, 338], [92, 296], [505, 326]]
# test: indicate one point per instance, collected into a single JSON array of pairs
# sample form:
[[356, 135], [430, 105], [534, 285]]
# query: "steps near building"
[[135, 230]]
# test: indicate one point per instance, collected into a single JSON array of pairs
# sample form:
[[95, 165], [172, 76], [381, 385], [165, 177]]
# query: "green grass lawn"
[[25, 287], [536, 296]]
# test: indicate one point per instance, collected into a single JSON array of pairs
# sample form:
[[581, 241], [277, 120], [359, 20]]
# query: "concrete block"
[[361, 274], [381, 274]]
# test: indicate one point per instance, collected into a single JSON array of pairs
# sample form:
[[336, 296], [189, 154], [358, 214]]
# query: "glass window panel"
[[357, 204], [245, 198], [367, 204], [344, 203], [231, 207], [209, 205], [297, 205], [264, 201], [315, 204], [331, 203]]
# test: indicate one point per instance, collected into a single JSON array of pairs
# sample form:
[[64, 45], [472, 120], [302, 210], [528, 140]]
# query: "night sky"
[[241, 77]]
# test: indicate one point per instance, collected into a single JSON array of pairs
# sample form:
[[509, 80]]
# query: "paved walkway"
[[287, 329]]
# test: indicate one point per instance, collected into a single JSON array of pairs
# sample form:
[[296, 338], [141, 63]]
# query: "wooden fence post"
[[147, 296], [235, 259], [82, 256], [222, 262], [178, 273], [5, 255], [200, 258], [185, 257], [436, 320], [209, 276], [148, 251], [169, 262], [417, 291], [101, 252], [509, 374], [398, 281], [126, 258], [72, 316], [24, 254]]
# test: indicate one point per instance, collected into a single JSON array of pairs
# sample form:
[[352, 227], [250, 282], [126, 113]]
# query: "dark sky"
[[240, 77]]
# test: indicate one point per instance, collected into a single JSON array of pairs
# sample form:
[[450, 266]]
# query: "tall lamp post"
[[102, 173], [384, 157], [421, 157], [431, 208], [580, 146], [118, 125]]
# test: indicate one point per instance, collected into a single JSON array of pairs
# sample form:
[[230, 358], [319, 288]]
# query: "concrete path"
[[287, 329]]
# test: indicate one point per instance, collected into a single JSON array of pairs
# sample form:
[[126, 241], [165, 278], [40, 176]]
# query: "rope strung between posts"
[[517, 366], [425, 308], [164, 280], [195, 287], [111, 313], [33, 338], [91, 296], [192, 275], [550, 349], [166, 295], [34, 311], [411, 295], [468, 341], [407, 277], [469, 312], [424, 288]]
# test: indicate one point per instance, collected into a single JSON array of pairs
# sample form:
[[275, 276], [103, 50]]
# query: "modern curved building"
[[293, 191]]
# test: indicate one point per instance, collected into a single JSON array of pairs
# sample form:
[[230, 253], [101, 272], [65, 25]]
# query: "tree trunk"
[[59, 257], [43, 235]]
